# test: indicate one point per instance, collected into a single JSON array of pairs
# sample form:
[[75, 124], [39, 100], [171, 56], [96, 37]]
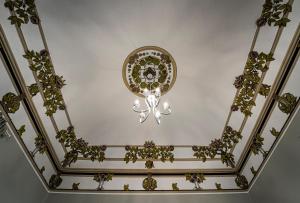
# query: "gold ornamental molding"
[[148, 67]]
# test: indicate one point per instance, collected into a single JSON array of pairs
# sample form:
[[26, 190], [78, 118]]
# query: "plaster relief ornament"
[[150, 72]]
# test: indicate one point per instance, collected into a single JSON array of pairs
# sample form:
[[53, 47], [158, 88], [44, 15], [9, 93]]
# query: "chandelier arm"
[[140, 111], [165, 113], [157, 120], [158, 102], [147, 115], [148, 104]]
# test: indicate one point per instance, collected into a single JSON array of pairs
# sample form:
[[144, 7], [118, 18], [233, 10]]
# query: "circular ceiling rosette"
[[149, 67]]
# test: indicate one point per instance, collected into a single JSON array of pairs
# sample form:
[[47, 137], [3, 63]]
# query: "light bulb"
[[166, 105], [157, 114], [142, 117], [136, 102]]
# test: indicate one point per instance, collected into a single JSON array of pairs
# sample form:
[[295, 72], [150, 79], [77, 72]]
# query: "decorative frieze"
[[149, 152]]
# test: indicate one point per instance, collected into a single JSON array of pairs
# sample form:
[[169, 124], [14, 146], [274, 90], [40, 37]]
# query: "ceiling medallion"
[[150, 72]]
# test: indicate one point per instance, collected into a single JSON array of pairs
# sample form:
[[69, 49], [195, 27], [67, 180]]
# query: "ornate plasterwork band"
[[149, 67], [247, 81]]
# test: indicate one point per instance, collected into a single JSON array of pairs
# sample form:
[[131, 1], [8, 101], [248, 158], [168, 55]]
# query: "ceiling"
[[89, 42]]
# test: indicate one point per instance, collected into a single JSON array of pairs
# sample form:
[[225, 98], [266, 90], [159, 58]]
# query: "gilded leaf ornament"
[[257, 146], [247, 83], [126, 187], [24, 11], [11, 102], [40, 145], [75, 186], [55, 181], [149, 152], [50, 82], [218, 186], [79, 147], [101, 179], [286, 102], [149, 183], [149, 67], [220, 147], [21, 130], [196, 178], [175, 187], [42, 170], [253, 171], [274, 132], [273, 13], [241, 181]]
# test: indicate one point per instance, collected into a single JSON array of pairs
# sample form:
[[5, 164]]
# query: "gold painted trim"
[[171, 172]]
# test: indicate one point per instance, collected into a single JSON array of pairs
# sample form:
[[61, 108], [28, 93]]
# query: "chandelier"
[[150, 72], [152, 101]]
